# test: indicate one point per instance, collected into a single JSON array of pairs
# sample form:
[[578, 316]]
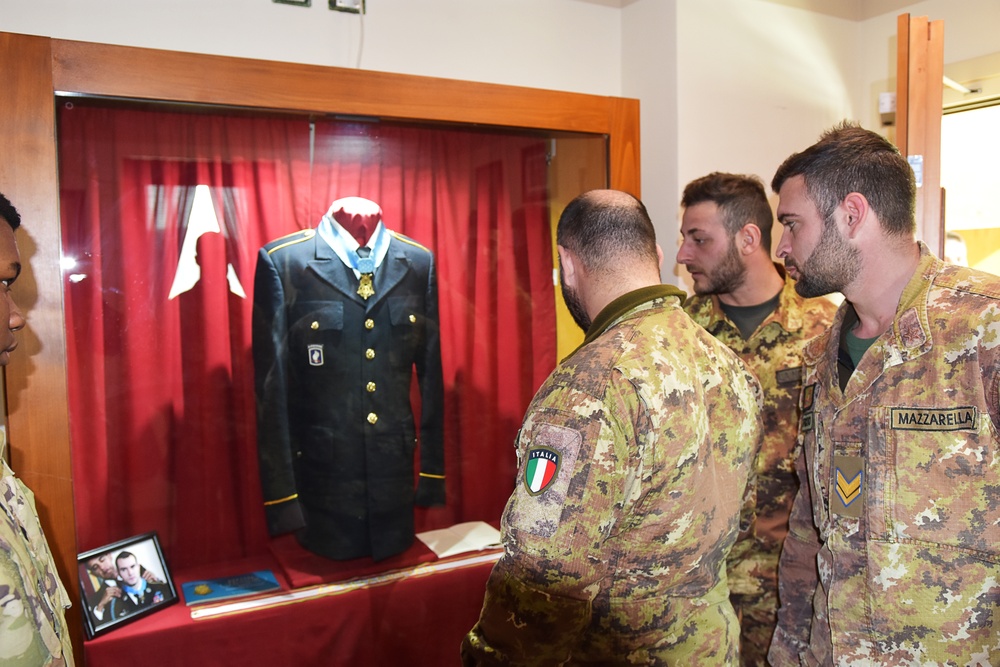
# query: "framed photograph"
[[122, 582]]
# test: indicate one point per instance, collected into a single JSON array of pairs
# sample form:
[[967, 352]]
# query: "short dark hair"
[[848, 158], [740, 198], [9, 213], [123, 555], [602, 227]]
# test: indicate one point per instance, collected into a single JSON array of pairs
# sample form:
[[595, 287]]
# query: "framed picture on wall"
[[122, 582]]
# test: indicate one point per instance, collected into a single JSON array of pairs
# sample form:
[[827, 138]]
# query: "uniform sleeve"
[[33, 600], [431, 484], [567, 502], [270, 335], [798, 577], [745, 540]]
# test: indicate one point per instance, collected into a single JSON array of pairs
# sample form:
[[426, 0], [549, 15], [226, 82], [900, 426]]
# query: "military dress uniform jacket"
[[336, 429], [901, 476], [774, 353], [635, 461]]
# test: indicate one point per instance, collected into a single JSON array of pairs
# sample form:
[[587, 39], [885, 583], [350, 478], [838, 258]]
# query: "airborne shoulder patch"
[[315, 355]]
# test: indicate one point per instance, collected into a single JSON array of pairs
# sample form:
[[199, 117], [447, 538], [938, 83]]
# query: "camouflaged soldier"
[[900, 471], [635, 463], [747, 302], [33, 630]]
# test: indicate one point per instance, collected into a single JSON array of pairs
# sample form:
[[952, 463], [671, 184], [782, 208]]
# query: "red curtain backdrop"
[[161, 389]]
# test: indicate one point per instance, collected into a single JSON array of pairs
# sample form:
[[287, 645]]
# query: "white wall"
[[756, 82], [557, 44], [649, 73]]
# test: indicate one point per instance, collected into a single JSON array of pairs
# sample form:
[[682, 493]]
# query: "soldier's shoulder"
[[289, 241], [813, 315], [962, 281], [820, 305], [410, 243], [589, 367], [699, 308]]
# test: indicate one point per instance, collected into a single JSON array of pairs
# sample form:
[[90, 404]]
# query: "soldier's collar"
[[626, 302]]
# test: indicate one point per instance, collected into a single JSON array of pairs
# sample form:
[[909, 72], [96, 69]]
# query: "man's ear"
[[858, 212], [659, 256], [748, 238], [568, 264]]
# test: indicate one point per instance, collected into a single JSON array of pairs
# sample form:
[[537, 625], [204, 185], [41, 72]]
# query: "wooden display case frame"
[[38, 69]]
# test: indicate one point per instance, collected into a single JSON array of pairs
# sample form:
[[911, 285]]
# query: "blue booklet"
[[213, 590]]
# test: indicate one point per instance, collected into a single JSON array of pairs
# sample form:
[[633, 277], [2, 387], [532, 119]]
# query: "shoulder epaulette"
[[406, 239], [292, 239]]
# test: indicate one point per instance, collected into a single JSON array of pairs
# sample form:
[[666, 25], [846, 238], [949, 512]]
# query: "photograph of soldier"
[[343, 316], [635, 471], [102, 583], [898, 502], [748, 302], [137, 593]]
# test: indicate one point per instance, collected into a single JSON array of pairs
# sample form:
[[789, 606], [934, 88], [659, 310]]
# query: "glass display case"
[[172, 194]]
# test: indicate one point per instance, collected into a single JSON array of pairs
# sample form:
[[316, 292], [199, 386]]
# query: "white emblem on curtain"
[[201, 220]]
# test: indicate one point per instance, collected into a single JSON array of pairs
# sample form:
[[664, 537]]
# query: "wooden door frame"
[[919, 107], [38, 69]]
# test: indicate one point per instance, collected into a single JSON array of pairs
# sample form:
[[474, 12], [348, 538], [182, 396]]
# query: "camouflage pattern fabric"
[[774, 353], [901, 476], [33, 630], [635, 464]]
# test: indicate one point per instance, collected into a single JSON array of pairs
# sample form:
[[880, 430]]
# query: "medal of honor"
[[366, 265], [365, 288]]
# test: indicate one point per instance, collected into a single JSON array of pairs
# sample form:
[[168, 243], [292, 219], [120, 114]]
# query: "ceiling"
[[855, 10]]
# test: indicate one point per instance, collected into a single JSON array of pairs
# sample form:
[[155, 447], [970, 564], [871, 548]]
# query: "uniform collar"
[[615, 310], [911, 328], [785, 315]]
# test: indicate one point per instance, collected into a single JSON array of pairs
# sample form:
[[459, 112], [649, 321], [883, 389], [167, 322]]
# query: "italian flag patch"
[[541, 469]]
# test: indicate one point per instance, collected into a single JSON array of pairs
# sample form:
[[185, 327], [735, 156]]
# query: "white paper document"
[[460, 538]]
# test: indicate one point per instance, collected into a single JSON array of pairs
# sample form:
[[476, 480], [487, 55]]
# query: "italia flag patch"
[[541, 469]]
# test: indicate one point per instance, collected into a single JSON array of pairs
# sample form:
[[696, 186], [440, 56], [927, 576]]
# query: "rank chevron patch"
[[849, 490]]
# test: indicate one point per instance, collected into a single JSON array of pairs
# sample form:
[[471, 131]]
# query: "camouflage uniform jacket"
[[635, 462], [901, 475], [774, 354], [33, 630]]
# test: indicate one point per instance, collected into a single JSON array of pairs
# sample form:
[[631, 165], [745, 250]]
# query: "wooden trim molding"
[[919, 107], [36, 69]]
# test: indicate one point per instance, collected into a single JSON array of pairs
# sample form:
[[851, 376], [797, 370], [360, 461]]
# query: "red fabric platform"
[[303, 568], [413, 620]]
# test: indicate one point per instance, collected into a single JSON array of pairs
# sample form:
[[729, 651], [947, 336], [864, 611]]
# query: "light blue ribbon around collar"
[[346, 246]]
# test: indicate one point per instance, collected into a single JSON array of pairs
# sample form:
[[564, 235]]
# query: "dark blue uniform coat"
[[333, 372]]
